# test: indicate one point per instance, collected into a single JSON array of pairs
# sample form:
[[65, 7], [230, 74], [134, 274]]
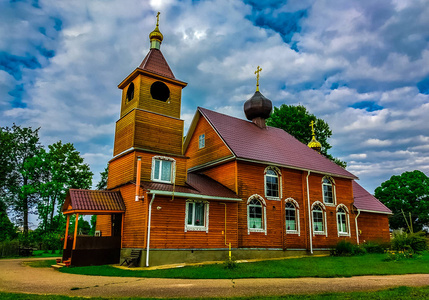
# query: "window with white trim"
[[291, 218], [271, 184], [163, 169], [328, 194], [197, 214], [318, 220], [256, 214], [201, 141], [343, 221]]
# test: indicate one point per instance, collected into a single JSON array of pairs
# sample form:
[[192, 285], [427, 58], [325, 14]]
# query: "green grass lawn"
[[330, 266], [398, 293], [38, 253]]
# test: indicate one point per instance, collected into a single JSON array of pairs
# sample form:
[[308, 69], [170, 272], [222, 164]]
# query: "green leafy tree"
[[63, 169], [296, 121], [21, 174], [406, 194], [7, 229], [102, 184]]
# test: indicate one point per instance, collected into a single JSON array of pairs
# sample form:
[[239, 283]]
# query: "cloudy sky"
[[362, 66]]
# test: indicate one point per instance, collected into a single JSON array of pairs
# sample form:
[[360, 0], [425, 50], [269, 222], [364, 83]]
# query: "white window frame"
[[279, 182], [333, 191], [347, 219], [297, 224], [325, 228], [191, 227], [264, 215], [173, 168], [201, 141]]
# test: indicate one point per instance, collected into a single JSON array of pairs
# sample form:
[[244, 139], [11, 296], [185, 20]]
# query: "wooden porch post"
[[67, 232], [75, 231]]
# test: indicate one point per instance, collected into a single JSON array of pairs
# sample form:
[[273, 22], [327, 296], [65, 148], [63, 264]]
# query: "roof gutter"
[[193, 196], [374, 211]]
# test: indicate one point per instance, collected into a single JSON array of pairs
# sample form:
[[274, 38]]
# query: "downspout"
[[139, 168], [357, 229], [148, 230], [310, 227]]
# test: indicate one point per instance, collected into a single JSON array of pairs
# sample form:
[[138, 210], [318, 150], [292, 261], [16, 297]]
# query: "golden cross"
[[258, 69], [312, 127], [157, 19]]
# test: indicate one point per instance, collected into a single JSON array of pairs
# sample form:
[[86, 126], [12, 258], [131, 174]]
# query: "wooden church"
[[230, 183]]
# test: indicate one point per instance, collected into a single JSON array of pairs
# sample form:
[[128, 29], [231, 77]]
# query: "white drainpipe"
[[357, 229], [309, 216], [148, 230]]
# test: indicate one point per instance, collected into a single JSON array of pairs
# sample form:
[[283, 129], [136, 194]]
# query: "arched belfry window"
[[292, 216], [130, 92], [160, 91], [256, 214], [328, 189], [343, 220], [272, 183], [319, 219]]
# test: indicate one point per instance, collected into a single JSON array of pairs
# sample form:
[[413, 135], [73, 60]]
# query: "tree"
[[63, 169], [406, 194], [7, 229], [102, 184], [296, 121], [19, 182]]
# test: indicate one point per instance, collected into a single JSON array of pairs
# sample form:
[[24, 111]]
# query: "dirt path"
[[17, 277]]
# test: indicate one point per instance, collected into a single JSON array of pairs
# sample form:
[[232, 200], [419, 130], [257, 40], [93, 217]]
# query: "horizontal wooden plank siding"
[[124, 133], [224, 174], [121, 170], [214, 148], [104, 224], [373, 227]]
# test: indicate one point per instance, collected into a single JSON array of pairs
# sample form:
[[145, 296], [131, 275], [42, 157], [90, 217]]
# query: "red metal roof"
[[366, 201], [270, 145], [197, 184], [93, 200], [155, 62]]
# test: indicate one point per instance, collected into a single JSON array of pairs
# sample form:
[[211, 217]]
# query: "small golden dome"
[[156, 34], [315, 145]]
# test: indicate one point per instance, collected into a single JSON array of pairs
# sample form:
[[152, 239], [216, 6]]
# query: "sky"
[[362, 66]]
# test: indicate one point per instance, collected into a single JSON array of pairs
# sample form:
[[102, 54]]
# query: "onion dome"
[[156, 36], [314, 144], [258, 108]]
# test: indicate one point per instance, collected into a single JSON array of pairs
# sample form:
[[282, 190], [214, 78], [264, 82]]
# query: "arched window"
[[343, 221], [319, 219], [328, 193], [292, 216], [130, 92], [272, 182], [256, 214]]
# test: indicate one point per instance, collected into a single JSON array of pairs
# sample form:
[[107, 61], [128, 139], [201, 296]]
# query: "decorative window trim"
[[264, 215], [298, 228], [173, 169], [279, 180], [334, 192], [206, 216], [347, 216], [325, 232], [202, 141]]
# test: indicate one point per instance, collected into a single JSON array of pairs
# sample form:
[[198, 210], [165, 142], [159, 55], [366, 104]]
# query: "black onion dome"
[[258, 106]]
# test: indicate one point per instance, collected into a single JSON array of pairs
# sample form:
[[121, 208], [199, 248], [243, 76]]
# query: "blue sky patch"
[[423, 86], [45, 52], [367, 105], [13, 64], [17, 94], [58, 24]]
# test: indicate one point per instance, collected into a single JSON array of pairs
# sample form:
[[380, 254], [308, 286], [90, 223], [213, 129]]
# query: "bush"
[[230, 263], [345, 248], [374, 247], [399, 255], [416, 242], [9, 248]]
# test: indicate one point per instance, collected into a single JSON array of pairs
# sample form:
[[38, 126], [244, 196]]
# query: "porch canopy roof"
[[93, 202]]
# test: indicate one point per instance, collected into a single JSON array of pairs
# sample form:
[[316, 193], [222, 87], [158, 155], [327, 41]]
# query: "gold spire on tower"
[[156, 36], [314, 144], [258, 69]]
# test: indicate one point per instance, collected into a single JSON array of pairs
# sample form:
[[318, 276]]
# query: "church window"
[[342, 220], [256, 214], [271, 183], [328, 194], [318, 219], [163, 169], [160, 91], [292, 216], [201, 141], [196, 216], [130, 92]]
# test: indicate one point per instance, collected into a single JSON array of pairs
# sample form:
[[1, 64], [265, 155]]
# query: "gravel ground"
[[15, 276]]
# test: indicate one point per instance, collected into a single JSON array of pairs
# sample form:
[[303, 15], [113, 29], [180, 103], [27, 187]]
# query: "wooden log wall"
[[374, 227]]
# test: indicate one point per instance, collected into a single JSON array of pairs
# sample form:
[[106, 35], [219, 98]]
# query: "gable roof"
[[95, 201], [155, 62], [366, 202], [269, 145]]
